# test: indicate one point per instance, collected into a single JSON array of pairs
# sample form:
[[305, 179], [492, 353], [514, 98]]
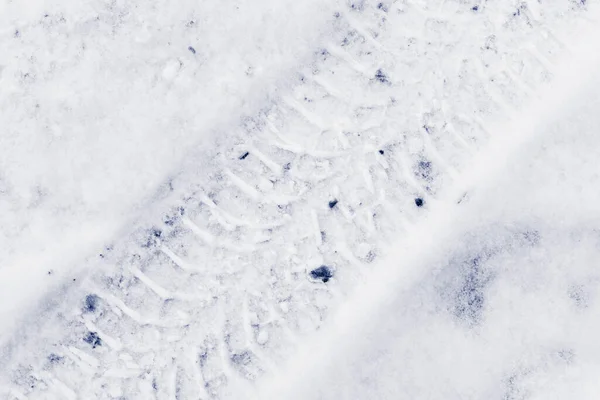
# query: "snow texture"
[[309, 200], [101, 100], [506, 308]]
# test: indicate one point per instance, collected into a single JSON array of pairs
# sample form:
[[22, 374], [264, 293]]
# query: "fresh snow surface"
[[299, 200]]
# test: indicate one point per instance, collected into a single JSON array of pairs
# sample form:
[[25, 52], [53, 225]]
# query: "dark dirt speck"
[[323, 273], [93, 339]]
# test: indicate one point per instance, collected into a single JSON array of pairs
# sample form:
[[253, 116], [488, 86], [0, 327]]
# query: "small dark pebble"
[[419, 202], [156, 232], [333, 203], [323, 273], [93, 339], [243, 156], [381, 152], [192, 50], [475, 8]]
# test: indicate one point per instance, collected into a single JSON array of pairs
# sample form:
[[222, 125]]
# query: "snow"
[[101, 102], [494, 297], [225, 199]]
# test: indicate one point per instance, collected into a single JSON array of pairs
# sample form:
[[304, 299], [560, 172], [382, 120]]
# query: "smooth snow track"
[[217, 284]]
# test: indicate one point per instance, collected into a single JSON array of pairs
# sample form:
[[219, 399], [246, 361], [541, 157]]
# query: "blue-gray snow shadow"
[[462, 281], [424, 341]]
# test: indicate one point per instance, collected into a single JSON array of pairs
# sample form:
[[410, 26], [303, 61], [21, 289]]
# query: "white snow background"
[[492, 298], [101, 100]]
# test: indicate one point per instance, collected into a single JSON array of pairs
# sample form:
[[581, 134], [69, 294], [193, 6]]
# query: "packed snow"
[[100, 103], [299, 200]]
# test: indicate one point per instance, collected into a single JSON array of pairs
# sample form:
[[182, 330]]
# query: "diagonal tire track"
[[236, 234]]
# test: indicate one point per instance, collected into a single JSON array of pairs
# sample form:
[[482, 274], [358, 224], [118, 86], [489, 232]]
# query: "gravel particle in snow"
[[323, 273], [93, 339]]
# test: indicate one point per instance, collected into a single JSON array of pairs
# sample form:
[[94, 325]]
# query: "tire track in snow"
[[352, 154], [412, 257]]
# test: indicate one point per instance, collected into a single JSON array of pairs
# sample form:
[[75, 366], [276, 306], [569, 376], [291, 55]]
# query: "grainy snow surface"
[[495, 297], [101, 101], [299, 200]]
